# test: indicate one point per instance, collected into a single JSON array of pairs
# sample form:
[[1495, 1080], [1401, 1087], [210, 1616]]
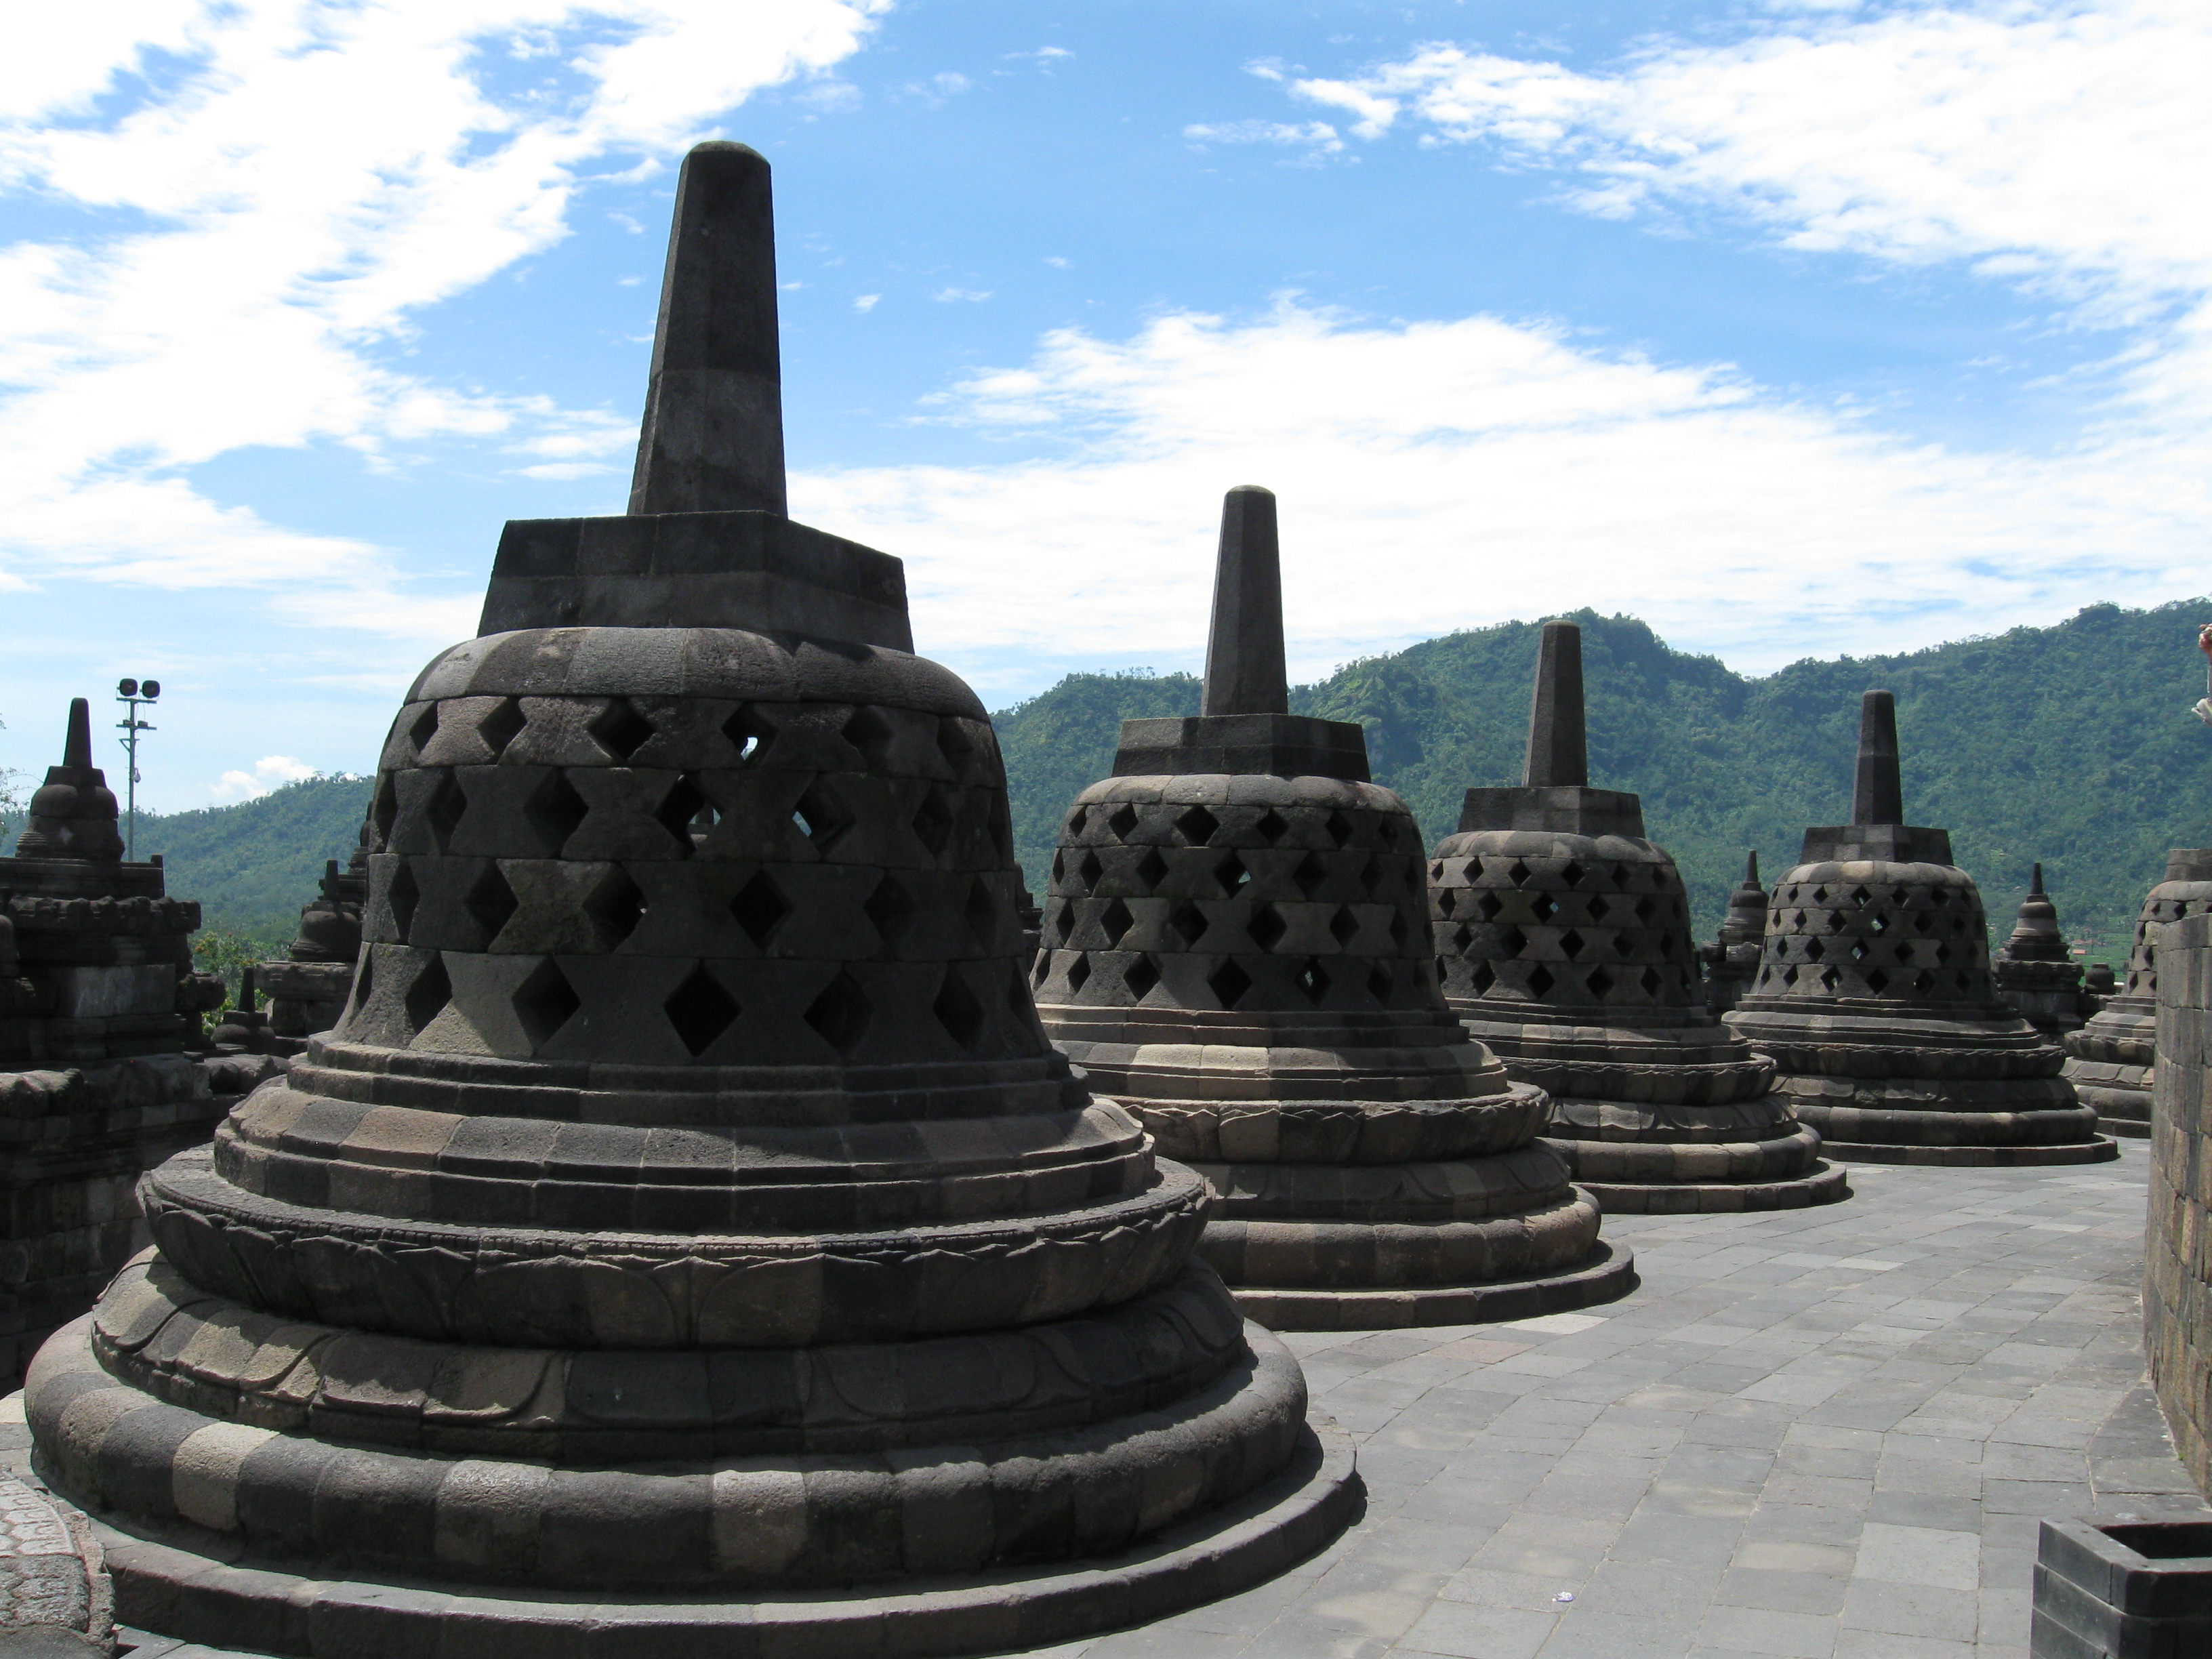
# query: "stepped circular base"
[[2118, 1092], [1606, 1275], [1823, 1184], [2131, 1127], [2100, 1149], [176, 1592]]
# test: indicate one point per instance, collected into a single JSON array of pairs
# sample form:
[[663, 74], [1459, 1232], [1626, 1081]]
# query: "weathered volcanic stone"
[[2034, 969], [2177, 1241], [1874, 997], [97, 997], [1235, 950], [687, 1231], [2110, 1060], [1731, 961], [1564, 937]]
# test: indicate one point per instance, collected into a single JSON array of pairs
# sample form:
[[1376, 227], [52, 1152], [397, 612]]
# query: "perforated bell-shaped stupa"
[[1874, 996], [1731, 961], [1235, 948], [2109, 1059], [1563, 934], [687, 1241], [2034, 969]]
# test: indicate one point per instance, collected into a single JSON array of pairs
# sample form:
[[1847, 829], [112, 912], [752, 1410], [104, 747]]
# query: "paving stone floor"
[[1823, 1435], [1827, 1434]]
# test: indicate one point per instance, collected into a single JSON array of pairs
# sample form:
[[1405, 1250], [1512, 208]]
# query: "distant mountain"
[[252, 866], [2072, 745]]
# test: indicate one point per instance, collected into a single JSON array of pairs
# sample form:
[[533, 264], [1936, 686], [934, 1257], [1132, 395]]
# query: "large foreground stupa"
[[1235, 948], [687, 1242], [1874, 996], [1563, 935]]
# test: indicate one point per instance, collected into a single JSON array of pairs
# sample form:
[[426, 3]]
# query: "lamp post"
[[131, 693]]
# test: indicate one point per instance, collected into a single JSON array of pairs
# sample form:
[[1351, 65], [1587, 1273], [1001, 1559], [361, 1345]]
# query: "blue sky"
[[1796, 329]]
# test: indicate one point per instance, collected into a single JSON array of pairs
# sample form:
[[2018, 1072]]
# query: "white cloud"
[[865, 303], [268, 773], [1440, 474], [1316, 135], [265, 214], [955, 296]]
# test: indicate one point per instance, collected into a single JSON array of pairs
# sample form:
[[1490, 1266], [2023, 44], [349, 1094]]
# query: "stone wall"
[[2178, 1241]]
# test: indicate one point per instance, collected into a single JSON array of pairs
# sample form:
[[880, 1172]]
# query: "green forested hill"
[[2072, 745]]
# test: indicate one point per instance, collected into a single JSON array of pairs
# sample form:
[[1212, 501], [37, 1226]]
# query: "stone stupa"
[[1731, 961], [2109, 1059], [1236, 949], [1563, 933], [687, 1242], [2034, 969], [311, 986], [1874, 997]]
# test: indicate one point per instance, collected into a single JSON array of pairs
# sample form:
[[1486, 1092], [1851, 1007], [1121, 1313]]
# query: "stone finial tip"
[[1244, 669], [1559, 754]]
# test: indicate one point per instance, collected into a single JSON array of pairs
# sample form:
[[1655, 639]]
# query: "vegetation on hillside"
[[2072, 745], [254, 865]]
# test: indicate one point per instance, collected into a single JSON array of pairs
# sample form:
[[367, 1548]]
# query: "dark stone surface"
[[2034, 968], [2178, 1242], [1876, 1001], [1244, 673], [1563, 936], [1234, 948], [1731, 961], [2109, 1059], [2122, 1589], [688, 1202]]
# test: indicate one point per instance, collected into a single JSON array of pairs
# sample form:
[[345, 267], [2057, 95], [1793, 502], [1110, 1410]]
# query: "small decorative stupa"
[[1564, 936], [308, 990], [97, 997], [1731, 961], [1875, 997], [2109, 1059], [687, 1241], [2034, 969], [1236, 949]]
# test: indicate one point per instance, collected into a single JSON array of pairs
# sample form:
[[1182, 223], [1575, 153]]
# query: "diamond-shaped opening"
[[1516, 872], [932, 822], [1310, 874], [1398, 930], [1063, 921], [868, 732], [1311, 980], [1471, 875], [1922, 922], [384, 811], [1789, 975], [1573, 873], [1828, 978], [981, 912], [1938, 897], [1878, 924], [498, 728], [1835, 921], [1228, 983], [954, 742], [1447, 901], [1462, 936], [620, 729], [1962, 980], [760, 908], [402, 895], [1268, 927], [544, 1001], [958, 1010], [1077, 819], [1141, 976], [888, 909], [616, 907], [749, 731], [1776, 946], [1088, 870], [1114, 921], [444, 809], [1371, 874], [1197, 825], [1858, 950], [1079, 973], [1820, 896], [1339, 827], [1877, 981], [1599, 981], [1343, 927], [1814, 950], [700, 1010], [553, 811], [1232, 875], [1650, 979], [1188, 923], [680, 808], [1540, 981], [1570, 944], [839, 1015], [1622, 875], [1482, 978], [1514, 941], [1943, 956], [1598, 907], [1958, 924], [1643, 909], [1923, 982], [1627, 941], [1122, 820], [425, 728], [1488, 905], [1379, 983], [1385, 830], [427, 996], [1041, 967], [1860, 896], [1271, 825], [490, 902], [1544, 906]]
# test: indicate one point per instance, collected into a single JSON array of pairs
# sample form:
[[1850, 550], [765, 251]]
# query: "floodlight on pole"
[[132, 693]]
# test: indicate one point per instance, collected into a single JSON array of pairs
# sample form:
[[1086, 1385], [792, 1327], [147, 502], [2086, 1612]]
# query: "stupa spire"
[[1878, 796], [76, 745], [713, 436], [1559, 754], [1244, 672]]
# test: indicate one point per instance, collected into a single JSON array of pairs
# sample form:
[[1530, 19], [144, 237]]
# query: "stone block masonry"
[[2178, 1237]]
